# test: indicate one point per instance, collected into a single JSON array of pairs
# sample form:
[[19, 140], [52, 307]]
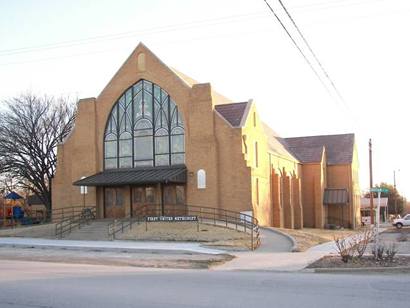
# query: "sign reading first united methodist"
[[171, 218]]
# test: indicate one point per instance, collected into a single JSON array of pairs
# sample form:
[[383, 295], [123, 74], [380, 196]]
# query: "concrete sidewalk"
[[275, 255], [267, 260], [123, 246], [278, 262]]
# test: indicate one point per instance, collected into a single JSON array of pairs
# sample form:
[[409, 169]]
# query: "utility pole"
[[395, 192], [371, 183]]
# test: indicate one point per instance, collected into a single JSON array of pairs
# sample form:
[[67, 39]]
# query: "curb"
[[118, 249], [103, 249], [294, 247], [398, 269]]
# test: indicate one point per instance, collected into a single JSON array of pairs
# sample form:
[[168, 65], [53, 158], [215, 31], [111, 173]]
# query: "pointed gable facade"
[[156, 137]]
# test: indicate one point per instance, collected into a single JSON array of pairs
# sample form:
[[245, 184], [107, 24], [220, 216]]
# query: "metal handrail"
[[60, 214], [216, 216], [66, 225]]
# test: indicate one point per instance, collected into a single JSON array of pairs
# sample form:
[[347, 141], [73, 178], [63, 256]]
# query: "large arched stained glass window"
[[144, 129]]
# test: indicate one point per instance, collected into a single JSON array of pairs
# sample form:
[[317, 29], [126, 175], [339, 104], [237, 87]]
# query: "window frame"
[[164, 116]]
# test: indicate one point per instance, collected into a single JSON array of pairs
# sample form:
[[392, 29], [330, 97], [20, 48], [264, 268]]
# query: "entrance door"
[[174, 200], [114, 202], [144, 196]]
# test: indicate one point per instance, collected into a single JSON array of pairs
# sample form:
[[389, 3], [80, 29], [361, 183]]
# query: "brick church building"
[[155, 136]]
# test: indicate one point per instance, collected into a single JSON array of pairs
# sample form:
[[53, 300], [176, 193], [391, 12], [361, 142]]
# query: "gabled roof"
[[308, 155], [218, 98], [233, 113], [276, 146], [13, 196], [339, 148]]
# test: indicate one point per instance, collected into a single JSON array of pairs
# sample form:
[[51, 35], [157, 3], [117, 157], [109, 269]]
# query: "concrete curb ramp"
[[120, 246]]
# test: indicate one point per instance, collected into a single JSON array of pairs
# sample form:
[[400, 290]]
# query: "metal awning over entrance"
[[136, 176], [337, 196]]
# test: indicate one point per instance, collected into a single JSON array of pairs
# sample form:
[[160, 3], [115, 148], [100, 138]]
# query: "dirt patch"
[[309, 237], [364, 262], [152, 260], [187, 231]]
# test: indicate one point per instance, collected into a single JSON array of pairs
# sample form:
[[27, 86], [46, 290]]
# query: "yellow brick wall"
[[227, 154]]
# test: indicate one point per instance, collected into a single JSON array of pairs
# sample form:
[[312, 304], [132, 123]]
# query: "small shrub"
[[391, 251], [344, 248], [353, 247], [361, 241], [378, 252]]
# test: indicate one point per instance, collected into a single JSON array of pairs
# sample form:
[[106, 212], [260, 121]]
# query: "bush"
[[344, 249], [391, 251], [378, 252], [355, 246], [385, 252]]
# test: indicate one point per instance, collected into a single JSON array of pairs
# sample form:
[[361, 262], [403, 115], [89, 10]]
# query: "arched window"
[[144, 128], [201, 179]]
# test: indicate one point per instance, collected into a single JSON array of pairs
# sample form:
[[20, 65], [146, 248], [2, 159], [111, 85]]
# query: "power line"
[[297, 46], [313, 53], [167, 28]]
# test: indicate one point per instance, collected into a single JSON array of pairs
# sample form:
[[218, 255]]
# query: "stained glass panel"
[[129, 139]]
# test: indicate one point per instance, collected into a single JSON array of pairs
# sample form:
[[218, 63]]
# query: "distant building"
[[365, 209], [155, 136], [35, 207]]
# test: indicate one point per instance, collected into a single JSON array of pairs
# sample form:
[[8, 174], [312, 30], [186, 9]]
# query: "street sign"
[[379, 189]]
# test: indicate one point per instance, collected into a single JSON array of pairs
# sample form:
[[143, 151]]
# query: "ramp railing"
[[76, 220], [205, 215]]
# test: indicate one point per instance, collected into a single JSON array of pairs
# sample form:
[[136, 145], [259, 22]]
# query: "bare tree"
[[31, 127]]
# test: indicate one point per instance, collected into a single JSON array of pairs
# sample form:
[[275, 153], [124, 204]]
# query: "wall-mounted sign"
[[83, 189]]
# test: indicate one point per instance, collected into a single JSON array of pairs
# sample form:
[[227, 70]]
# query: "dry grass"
[[187, 231], [136, 259], [38, 231], [309, 237]]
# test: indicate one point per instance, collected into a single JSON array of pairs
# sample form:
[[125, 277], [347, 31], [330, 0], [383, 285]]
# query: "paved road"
[[31, 284]]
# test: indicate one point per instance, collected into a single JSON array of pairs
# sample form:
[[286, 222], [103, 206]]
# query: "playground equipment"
[[14, 210]]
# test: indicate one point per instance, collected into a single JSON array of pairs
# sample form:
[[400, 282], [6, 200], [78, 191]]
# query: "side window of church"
[[201, 179]]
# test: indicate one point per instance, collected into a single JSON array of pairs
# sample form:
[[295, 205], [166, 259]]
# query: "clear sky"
[[74, 47]]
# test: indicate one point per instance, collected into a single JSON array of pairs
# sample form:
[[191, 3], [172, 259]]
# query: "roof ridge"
[[324, 135]]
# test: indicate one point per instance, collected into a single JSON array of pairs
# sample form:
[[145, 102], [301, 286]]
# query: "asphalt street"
[[41, 284]]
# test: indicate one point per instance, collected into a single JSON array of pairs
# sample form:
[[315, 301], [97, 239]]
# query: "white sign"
[[83, 189], [201, 179]]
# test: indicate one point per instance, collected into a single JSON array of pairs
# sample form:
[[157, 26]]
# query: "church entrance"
[[144, 200], [114, 202]]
